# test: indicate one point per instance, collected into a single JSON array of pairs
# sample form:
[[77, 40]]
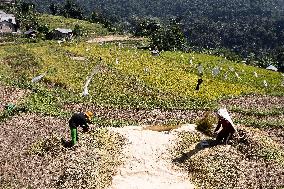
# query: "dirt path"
[[112, 38], [148, 163]]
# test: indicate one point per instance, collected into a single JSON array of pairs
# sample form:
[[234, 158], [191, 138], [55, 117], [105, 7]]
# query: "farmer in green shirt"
[[79, 120]]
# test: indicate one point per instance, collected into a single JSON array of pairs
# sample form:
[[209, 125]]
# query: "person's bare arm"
[[218, 126]]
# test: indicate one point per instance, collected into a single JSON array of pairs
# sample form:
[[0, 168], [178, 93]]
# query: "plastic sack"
[[37, 78], [215, 71], [200, 69], [265, 83], [85, 92], [225, 76], [232, 69], [237, 75]]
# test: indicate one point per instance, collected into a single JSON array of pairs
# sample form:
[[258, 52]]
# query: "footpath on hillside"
[[113, 38], [148, 163]]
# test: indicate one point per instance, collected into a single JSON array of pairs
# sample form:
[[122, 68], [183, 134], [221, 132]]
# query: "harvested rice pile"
[[253, 162], [10, 95], [139, 116], [32, 155]]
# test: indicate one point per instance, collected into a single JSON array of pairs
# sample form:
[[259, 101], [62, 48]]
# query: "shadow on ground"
[[198, 147]]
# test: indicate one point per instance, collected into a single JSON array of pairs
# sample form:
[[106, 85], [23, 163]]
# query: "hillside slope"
[[129, 87], [130, 78], [54, 22]]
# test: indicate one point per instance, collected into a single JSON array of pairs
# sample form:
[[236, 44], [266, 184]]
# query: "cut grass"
[[263, 123], [33, 155], [255, 144]]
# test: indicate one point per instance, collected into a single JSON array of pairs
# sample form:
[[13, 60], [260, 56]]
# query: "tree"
[[146, 26], [78, 31], [98, 17], [169, 37], [71, 10], [54, 8], [26, 15]]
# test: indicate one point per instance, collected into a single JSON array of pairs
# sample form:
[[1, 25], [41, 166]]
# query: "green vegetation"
[[259, 112], [132, 80], [136, 80], [261, 123], [53, 22]]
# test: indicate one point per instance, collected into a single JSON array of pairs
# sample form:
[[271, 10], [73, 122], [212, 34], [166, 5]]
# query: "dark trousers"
[[224, 136]]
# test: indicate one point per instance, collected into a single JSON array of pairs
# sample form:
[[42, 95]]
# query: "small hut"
[[31, 33], [62, 33]]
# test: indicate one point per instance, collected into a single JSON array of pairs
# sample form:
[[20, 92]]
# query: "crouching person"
[[79, 120], [228, 128]]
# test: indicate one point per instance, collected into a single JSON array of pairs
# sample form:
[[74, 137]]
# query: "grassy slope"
[[138, 79], [61, 22]]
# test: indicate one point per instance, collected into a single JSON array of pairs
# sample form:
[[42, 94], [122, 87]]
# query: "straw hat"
[[224, 114], [89, 114]]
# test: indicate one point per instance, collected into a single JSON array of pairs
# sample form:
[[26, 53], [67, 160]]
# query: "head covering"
[[224, 114], [89, 114]]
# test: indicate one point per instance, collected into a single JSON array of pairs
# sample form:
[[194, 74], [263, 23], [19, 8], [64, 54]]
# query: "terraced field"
[[129, 87]]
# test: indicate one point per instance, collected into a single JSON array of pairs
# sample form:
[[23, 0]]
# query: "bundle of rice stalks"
[[206, 124]]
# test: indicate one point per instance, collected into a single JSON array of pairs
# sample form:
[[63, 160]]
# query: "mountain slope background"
[[253, 29]]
